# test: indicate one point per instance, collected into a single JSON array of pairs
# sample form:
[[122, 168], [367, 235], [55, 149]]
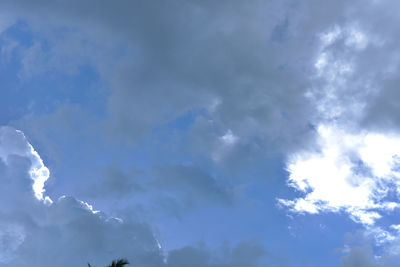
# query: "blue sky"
[[199, 133]]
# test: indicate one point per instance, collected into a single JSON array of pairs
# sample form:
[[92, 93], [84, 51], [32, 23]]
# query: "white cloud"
[[351, 172], [13, 142]]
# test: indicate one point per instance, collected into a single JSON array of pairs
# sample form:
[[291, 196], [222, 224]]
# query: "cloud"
[[36, 231], [161, 66], [199, 65], [352, 167], [251, 75], [361, 249], [258, 67], [360, 257], [13, 147], [347, 172]]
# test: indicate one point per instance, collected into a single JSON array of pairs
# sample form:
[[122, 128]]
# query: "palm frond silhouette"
[[119, 263], [116, 263]]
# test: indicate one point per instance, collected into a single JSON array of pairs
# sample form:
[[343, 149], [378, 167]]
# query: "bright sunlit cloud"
[[351, 172], [38, 172]]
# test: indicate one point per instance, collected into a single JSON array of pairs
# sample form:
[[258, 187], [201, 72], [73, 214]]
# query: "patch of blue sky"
[[21, 32], [173, 134], [51, 87], [324, 232]]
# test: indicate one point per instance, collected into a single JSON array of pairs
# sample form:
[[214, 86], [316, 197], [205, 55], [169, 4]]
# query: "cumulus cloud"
[[36, 231]]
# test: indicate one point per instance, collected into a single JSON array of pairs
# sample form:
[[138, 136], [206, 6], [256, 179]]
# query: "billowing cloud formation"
[[37, 232]]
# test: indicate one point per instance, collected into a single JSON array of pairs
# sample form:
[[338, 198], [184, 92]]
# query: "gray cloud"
[[371, 247], [248, 65], [365, 256], [360, 257], [220, 58]]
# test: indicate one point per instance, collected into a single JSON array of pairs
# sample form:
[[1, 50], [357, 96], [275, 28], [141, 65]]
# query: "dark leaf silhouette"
[[119, 263], [116, 263]]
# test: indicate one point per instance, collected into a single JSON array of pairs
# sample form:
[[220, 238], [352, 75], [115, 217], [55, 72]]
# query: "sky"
[[200, 133]]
